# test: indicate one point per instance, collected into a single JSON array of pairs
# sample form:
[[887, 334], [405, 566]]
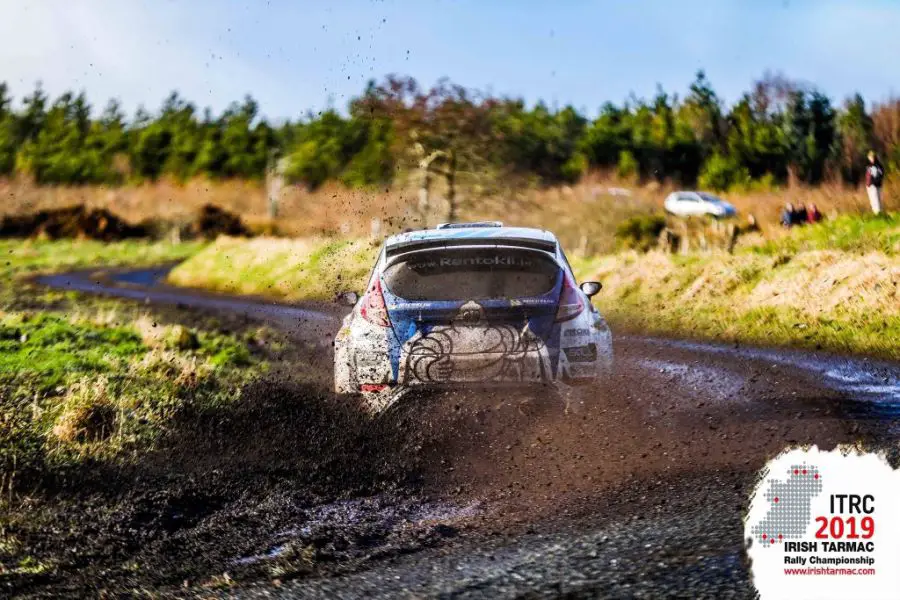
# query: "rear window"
[[472, 274]]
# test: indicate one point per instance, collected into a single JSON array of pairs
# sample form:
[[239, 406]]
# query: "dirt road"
[[642, 495]]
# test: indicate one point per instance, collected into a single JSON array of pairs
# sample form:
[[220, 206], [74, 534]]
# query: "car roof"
[[499, 234], [704, 195]]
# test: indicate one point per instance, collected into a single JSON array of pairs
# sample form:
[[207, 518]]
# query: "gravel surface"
[[691, 553], [640, 496]]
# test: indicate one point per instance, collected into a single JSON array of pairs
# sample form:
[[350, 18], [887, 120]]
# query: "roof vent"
[[469, 225]]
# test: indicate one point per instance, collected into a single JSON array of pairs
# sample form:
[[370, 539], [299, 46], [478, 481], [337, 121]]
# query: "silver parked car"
[[695, 204]]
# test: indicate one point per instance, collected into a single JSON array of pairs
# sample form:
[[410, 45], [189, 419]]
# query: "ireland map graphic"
[[789, 512]]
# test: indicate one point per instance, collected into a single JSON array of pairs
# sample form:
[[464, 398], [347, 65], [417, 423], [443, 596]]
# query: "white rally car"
[[470, 304]]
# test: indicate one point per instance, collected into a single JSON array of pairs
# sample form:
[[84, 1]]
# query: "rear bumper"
[[476, 386], [461, 393], [372, 362], [363, 371], [496, 369]]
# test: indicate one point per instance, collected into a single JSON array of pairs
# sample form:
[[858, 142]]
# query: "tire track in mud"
[[640, 494]]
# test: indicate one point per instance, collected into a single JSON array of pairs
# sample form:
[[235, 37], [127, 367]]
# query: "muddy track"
[[292, 493]]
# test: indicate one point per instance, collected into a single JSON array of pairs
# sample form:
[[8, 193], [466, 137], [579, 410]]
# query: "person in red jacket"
[[812, 214]]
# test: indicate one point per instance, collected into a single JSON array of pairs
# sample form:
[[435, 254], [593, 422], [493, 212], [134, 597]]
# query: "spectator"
[[800, 215], [787, 215], [812, 214], [752, 225], [874, 179]]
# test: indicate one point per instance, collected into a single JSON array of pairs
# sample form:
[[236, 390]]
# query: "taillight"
[[373, 308], [373, 387], [570, 303]]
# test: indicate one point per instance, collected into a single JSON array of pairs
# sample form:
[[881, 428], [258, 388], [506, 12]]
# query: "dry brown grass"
[[837, 300], [584, 215], [158, 336], [330, 210], [182, 369], [88, 413], [152, 333], [826, 282], [814, 283], [831, 199]]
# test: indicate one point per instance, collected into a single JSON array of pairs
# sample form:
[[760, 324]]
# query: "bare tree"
[[275, 184], [446, 133]]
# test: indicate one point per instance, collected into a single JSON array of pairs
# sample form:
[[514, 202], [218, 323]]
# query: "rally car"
[[470, 304]]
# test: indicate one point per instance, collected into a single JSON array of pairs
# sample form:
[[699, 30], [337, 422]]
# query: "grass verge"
[[306, 269], [87, 379], [848, 233], [79, 389], [820, 299]]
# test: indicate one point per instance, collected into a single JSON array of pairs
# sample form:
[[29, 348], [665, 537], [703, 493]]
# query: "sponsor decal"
[[576, 332], [825, 525], [581, 353], [471, 350], [496, 260], [414, 305]]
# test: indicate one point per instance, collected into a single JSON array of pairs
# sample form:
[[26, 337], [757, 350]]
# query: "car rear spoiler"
[[506, 242]]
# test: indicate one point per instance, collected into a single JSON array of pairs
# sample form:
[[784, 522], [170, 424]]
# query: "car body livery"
[[470, 304]]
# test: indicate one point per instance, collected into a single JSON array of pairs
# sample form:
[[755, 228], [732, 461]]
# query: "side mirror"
[[348, 298], [591, 288]]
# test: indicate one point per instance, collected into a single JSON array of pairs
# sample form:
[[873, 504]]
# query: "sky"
[[297, 56]]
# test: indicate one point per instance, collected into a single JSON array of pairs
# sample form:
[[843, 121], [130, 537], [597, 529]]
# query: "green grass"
[[88, 378], [305, 269], [766, 326], [51, 348], [72, 389], [848, 233], [27, 257]]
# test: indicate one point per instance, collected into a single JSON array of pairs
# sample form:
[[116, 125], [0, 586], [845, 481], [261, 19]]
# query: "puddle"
[[719, 384], [143, 277], [875, 383], [364, 526]]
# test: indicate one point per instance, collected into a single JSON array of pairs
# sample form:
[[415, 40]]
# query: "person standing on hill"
[[874, 179]]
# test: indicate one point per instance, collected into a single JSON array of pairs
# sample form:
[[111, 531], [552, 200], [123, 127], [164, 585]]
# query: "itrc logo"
[[825, 525], [790, 510]]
